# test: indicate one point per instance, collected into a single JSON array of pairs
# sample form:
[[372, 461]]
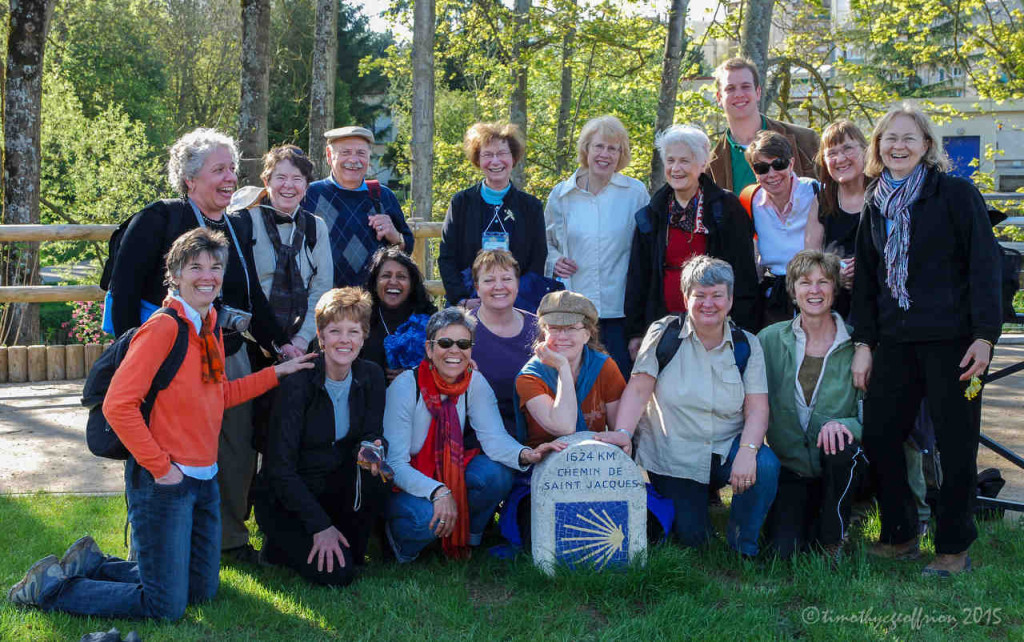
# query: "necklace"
[[383, 322]]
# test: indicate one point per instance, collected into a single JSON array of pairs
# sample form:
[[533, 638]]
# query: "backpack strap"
[[373, 186], [670, 341], [169, 368], [747, 198]]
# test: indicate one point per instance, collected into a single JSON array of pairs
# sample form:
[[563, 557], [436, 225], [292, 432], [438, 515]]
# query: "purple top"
[[500, 359]]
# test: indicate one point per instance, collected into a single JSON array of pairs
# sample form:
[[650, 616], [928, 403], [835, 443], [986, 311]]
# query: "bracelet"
[[751, 446], [990, 344], [441, 494], [859, 344], [623, 430]]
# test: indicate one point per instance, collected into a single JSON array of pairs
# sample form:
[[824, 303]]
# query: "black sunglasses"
[[444, 343], [762, 168]]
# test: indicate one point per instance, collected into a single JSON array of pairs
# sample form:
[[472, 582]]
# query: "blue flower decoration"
[[404, 347]]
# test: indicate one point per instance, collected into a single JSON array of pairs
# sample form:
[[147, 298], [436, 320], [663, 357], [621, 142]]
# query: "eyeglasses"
[[778, 165], [486, 156], [601, 148], [563, 329], [846, 150], [444, 343]]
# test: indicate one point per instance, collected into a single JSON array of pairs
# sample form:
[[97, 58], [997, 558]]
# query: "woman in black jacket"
[[314, 503], [926, 301], [689, 215], [492, 214]]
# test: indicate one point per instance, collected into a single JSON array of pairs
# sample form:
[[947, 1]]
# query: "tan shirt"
[[697, 407]]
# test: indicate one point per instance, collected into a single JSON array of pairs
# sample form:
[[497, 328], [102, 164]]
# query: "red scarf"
[[211, 355], [442, 453]]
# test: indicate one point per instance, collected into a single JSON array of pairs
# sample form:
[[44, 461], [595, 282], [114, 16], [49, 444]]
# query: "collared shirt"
[[595, 231], [697, 407], [742, 174], [804, 409], [780, 235]]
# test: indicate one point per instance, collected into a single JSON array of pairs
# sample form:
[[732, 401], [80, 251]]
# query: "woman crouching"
[[452, 458], [316, 505]]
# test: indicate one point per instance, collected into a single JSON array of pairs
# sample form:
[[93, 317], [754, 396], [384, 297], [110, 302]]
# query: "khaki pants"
[[236, 460]]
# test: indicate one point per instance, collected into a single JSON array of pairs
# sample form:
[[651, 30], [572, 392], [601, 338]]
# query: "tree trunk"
[[23, 89], [757, 26], [321, 91], [422, 147], [517, 105], [252, 110], [563, 146], [675, 45]]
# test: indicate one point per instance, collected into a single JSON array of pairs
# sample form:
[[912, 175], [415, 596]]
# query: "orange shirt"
[[185, 422], [608, 388]]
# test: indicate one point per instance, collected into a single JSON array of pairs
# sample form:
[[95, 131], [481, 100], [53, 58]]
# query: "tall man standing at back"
[[361, 215], [738, 92]]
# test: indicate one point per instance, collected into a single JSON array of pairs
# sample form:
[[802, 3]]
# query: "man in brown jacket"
[[738, 91]]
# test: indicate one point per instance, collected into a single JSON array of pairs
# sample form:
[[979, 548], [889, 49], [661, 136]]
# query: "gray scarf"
[[894, 200]]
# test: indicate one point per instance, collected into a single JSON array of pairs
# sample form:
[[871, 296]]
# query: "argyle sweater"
[[353, 242]]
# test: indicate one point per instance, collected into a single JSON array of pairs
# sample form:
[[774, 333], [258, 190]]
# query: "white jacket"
[[596, 232]]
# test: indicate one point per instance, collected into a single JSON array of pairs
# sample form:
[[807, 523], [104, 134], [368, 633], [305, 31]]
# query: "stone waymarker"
[[588, 506]]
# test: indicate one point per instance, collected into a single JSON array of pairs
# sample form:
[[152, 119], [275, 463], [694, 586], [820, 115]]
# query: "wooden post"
[[17, 364], [37, 363], [56, 368], [3, 364], [92, 353], [74, 356], [419, 250]]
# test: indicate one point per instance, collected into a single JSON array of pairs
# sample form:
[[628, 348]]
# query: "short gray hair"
[[694, 139], [189, 153], [448, 317], [704, 271], [190, 245]]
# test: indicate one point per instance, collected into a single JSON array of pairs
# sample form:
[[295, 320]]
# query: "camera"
[[232, 319]]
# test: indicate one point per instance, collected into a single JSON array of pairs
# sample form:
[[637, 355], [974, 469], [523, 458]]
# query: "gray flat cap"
[[352, 131]]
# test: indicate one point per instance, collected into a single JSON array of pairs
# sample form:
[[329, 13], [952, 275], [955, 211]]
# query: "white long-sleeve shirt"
[[595, 231]]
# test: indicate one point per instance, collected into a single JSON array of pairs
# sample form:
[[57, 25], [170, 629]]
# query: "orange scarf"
[[444, 446], [211, 354]]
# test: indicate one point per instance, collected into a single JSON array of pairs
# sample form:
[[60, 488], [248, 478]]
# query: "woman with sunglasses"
[[452, 458], [784, 208]]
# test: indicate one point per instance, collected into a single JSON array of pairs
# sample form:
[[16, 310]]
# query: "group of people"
[[770, 319]]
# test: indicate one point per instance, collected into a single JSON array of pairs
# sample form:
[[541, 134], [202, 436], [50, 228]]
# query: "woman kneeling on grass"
[[171, 475], [452, 458], [316, 505]]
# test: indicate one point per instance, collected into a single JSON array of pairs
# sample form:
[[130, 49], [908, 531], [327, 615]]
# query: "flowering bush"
[[86, 321]]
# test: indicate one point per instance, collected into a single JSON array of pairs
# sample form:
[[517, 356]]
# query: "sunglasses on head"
[[778, 165], [444, 343]]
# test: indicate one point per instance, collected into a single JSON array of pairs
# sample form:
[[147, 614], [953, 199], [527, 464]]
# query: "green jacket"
[[836, 397]]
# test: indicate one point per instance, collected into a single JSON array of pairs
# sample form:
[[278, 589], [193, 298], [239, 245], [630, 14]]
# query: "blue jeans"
[[613, 336], [487, 483], [176, 533], [748, 510]]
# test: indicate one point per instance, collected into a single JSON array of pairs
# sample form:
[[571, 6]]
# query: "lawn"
[[680, 594]]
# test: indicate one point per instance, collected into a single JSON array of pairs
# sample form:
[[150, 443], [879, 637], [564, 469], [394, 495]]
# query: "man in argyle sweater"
[[345, 203]]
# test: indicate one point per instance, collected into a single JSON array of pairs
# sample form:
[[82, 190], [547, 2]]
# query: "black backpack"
[[669, 344], [100, 437]]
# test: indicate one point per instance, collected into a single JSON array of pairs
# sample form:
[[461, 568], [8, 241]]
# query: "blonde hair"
[[353, 304], [804, 262], [934, 156], [610, 127], [480, 135], [493, 260]]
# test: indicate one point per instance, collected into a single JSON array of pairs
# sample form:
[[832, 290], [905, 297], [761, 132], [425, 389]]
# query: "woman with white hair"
[[589, 221], [202, 170], [687, 216]]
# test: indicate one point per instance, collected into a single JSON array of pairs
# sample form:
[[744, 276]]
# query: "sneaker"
[[82, 558], [44, 574], [909, 550]]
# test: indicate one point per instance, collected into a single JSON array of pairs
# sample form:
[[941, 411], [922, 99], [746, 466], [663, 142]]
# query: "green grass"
[[680, 594]]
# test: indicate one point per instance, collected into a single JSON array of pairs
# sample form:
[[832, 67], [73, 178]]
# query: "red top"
[[682, 246]]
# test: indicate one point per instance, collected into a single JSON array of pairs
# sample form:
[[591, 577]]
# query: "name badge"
[[495, 241]]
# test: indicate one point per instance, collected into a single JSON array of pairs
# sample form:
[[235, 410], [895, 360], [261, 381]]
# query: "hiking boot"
[[82, 558], [44, 576], [909, 550]]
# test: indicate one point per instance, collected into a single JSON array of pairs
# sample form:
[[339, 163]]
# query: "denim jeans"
[[749, 509], [613, 336], [176, 533], [487, 483]]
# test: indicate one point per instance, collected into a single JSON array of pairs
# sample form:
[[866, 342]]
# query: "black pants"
[[815, 510], [286, 542], [901, 374], [774, 303]]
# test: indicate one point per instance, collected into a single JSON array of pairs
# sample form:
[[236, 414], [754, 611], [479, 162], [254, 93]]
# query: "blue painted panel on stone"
[[592, 533]]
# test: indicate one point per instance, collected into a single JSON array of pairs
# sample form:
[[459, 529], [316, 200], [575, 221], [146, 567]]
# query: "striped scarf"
[[894, 199]]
